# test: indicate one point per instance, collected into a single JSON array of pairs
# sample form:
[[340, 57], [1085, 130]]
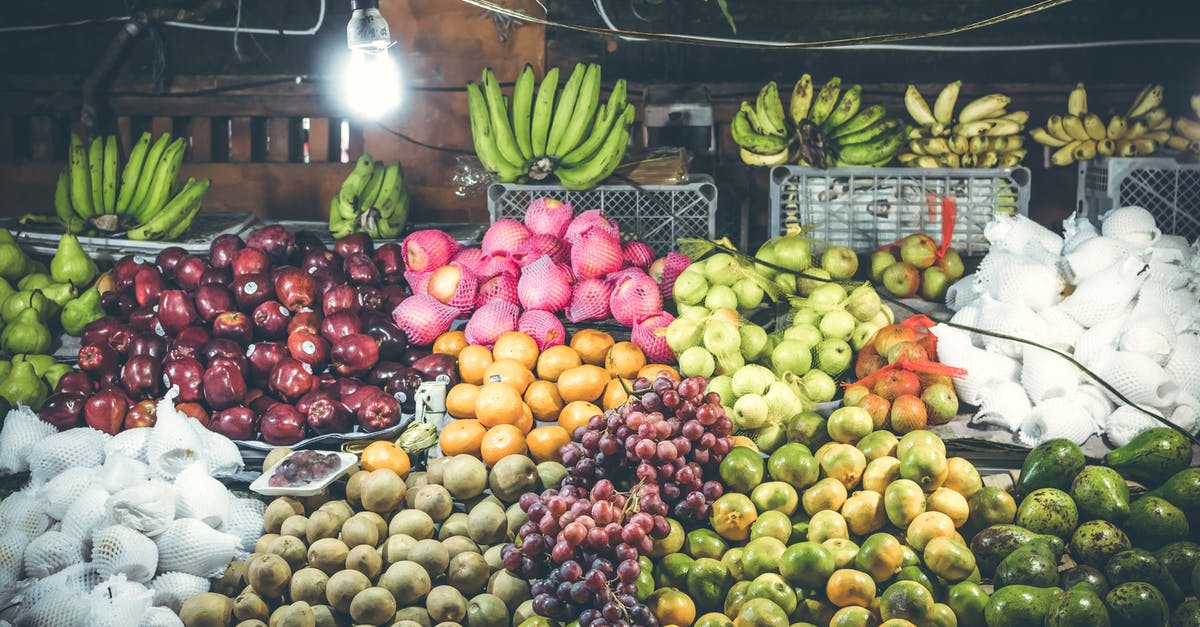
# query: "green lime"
[[807, 564], [708, 582], [704, 543], [772, 523], [741, 470]]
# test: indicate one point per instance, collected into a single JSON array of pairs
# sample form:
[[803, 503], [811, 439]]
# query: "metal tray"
[[464, 233], [206, 228]]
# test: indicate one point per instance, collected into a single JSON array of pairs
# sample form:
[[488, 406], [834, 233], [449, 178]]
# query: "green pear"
[[6, 289], [12, 261], [71, 264], [56, 372], [60, 293], [22, 386], [6, 237], [5, 368], [26, 334], [81, 312], [35, 281], [41, 363], [20, 301]]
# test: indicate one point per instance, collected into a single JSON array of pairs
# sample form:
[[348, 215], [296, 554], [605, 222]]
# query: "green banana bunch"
[[828, 128], [1081, 136], [548, 129], [94, 191], [373, 199], [983, 135]]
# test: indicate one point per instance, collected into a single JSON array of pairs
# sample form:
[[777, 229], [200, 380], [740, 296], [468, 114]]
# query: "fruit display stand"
[[1170, 190], [465, 233], [205, 228], [865, 208]]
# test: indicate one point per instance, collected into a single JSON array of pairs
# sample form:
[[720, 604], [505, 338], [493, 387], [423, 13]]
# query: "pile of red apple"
[[275, 337]]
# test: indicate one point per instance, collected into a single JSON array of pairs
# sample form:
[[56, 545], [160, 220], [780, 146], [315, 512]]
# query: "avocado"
[[1051, 464], [1152, 456], [1083, 575], [991, 545], [1048, 510], [1154, 522], [1095, 541], [1180, 558], [1101, 493], [1031, 565], [1136, 604], [1020, 606], [1182, 490], [1187, 614], [1141, 565], [1078, 607]]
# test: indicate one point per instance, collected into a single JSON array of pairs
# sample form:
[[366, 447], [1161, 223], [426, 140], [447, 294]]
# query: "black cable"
[[413, 140]]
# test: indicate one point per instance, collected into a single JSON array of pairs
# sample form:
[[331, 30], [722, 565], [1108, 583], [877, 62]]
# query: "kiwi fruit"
[[494, 556], [509, 588], [341, 509], [434, 500], [460, 544], [268, 574], [354, 488], [465, 476], [516, 517], [253, 622], [308, 585], [343, 586], [233, 580], [487, 610], [396, 548], [411, 522], [446, 604], [373, 606], [381, 525], [487, 523], [207, 610], [298, 614], [324, 616], [412, 623], [275, 456], [417, 615], [513, 476], [295, 526], [322, 524], [468, 572], [278, 511], [416, 480], [435, 469], [264, 541], [249, 606], [551, 474], [431, 555], [455, 525], [366, 560], [382, 491], [328, 555], [291, 549], [360, 530], [406, 581]]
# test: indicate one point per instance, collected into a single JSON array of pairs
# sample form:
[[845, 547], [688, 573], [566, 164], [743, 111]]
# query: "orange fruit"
[[543, 400], [461, 437], [672, 607], [615, 393], [555, 360], [450, 343], [651, 372], [577, 414], [460, 400], [525, 422], [509, 372], [545, 442], [624, 359], [473, 362], [385, 454], [501, 441], [498, 404], [583, 383], [517, 346], [592, 345]]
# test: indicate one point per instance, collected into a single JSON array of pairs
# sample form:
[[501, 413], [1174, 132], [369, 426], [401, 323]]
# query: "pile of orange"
[[515, 399]]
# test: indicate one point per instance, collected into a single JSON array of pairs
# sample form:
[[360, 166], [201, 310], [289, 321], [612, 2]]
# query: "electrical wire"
[[206, 27], [413, 140], [35, 27]]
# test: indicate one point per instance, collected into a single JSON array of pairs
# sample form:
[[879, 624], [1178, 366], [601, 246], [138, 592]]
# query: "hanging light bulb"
[[370, 80]]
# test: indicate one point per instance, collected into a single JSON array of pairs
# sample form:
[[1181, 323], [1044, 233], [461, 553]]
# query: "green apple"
[[782, 402], [684, 333], [791, 356], [807, 285], [942, 403], [766, 253], [723, 386], [721, 269], [918, 249], [806, 333], [840, 262], [750, 412], [690, 287], [902, 279], [786, 282], [880, 260], [863, 333], [769, 438], [863, 302], [833, 355], [754, 341], [837, 323], [793, 252], [721, 337], [721, 297], [694, 312], [826, 297], [884, 317], [696, 362], [934, 283], [952, 264], [818, 386], [749, 294], [752, 379], [806, 315], [730, 363]]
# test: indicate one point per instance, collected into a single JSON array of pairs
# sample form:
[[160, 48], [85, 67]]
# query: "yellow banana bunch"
[[1185, 131], [1081, 135], [979, 137], [546, 130], [373, 199]]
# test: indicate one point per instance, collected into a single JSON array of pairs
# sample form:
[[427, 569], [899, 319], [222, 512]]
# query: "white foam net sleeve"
[[130, 442], [60, 492], [1056, 418], [1018, 233], [118, 549], [984, 368], [1003, 405], [78, 579], [74, 447], [192, 547], [245, 522], [51, 552], [1186, 412], [148, 508], [1184, 364], [59, 608], [1011, 278], [968, 316], [962, 292], [1176, 302], [1170, 265], [172, 589], [119, 603], [22, 429], [1107, 294], [1013, 320], [1077, 229], [120, 472], [1094, 400], [1125, 422], [1148, 331], [86, 514], [160, 617], [1096, 345], [24, 512], [1132, 224], [172, 444], [1139, 379], [199, 496], [1093, 257], [1064, 332], [220, 453], [12, 552], [1046, 374]]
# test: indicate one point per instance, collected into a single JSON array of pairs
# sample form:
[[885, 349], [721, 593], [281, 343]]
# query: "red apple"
[[221, 348], [274, 239], [326, 278], [393, 295], [309, 348], [354, 395], [169, 258], [105, 411], [354, 354], [340, 298], [271, 320], [295, 288], [306, 242], [189, 342], [211, 300], [145, 320], [354, 244], [142, 414], [141, 376], [326, 415], [412, 354], [319, 260], [302, 404], [335, 327], [95, 359], [262, 357], [282, 425], [379, 411], [118, 303], [224, 386], [391, 339], [252, 290], [233, 325], [148, 284], [75, 383], [290, 379], [360, 270], [109, 379], [176, 311], [403, 386], [370, 298], [328, 382], [188, 374], [64, 410], [249, 261], [309, 320], [437, 365], [260, 403], [389, 258], [223, 249], [102, 331], [189, 271], [213, 276], [148, 345], [125, 270], [194, 410], [235, 423]]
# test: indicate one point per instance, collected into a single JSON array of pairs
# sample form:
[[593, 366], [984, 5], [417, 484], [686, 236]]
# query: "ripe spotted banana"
[[802, 96], [943, 107], [917, 108]]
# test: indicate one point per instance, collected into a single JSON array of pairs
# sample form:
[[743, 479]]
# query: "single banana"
[[917, 132], [129, 176], [871, 152], [1136, 130], [968, 160], [1155, 116], [988, 160], [149, 167], [907, 158], [164, 177], [917, 146], [826, 99], [943, 107], [1085, 151], [1013, 142], [608, 115], [352, 187], [938, 129], [983, 107], [750, 158], [1163, 124], [928, 162], [1074, 127], [1020, 117], [936, 146], [522, 111], [1077, 101], [80, 179], [1124, 148], [111, 159], [62, 196], [757, 123], [391, 186], [174, 212], [861, 120], [96, 171], [1116, 128], [977, 145], [1106, 147], [1066, 154], [481, 135], [1143, 147], [1188, 128], [543, 112], [1150, 98], [592, 172], [950, 160], [802, 97], [1054, 126], [584, 114], [1012, 159], [918, 109], [744, 136], [1043, 137], [369, 198], [1174, 142], [1094, 127], [1003, 127], [1157, 136], [506, 142], [959, 144], [871, 132], [846, 108], [565, 108], [770, 109], [971, 129], [1194, 101]]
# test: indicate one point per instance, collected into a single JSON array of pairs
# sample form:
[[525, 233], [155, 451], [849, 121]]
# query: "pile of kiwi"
[[422, 551]]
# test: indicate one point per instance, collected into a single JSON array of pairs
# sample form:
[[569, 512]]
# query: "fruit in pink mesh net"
[[418, 282], [544, 327], [589, 300], [590, 220], [649, 334], [472, 259], [544, 285], [637, 254], [504, 236], [490, 321], [547, 216], [596, 254], [665, 270], [499, 263], [502, 287], [634, 296], [428, 250], [455, 286], [423, 318], [539, 244]]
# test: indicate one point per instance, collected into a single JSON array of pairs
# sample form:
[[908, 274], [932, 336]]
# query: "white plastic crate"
[[656, 214], [865, 208], [1166, 188]]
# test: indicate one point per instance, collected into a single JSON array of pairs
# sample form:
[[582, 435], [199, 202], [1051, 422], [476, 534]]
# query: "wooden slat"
[[295, 127], [219, 139], [355, 142], [318, 139], [239, 139], [279, 139], [8, 148], [201, 137], [125, 135], [43, 138], [258, 139], [162, 125]]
